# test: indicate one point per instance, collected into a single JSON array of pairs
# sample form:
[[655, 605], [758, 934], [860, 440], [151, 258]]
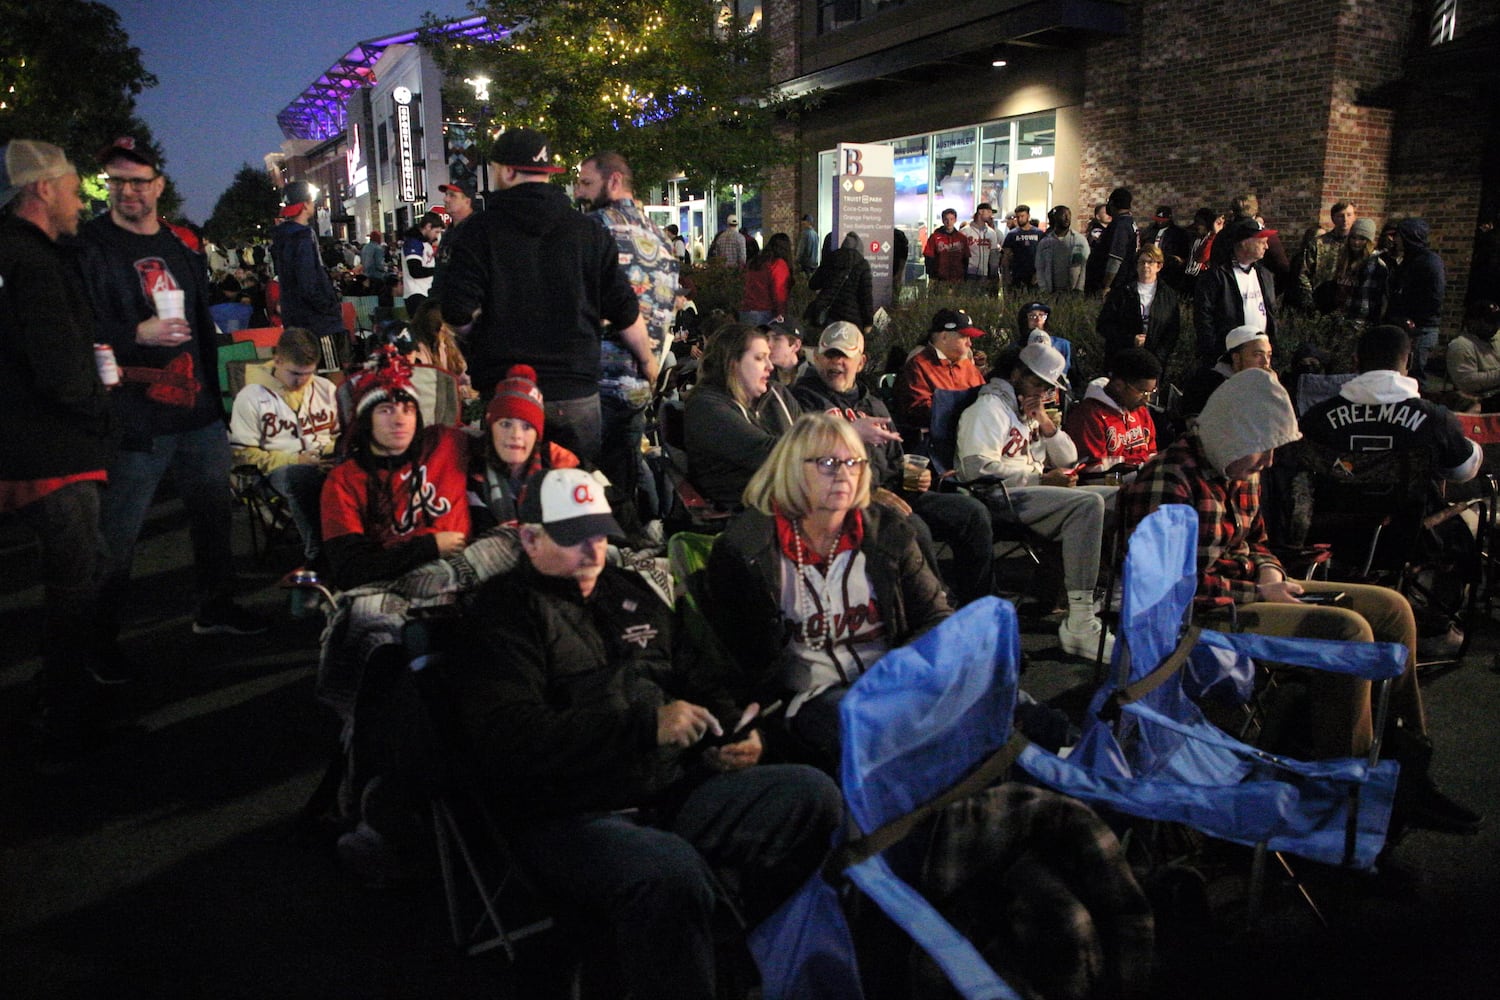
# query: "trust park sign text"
[[406, 156], [864, 202]]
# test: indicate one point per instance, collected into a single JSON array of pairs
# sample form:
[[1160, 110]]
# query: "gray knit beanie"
[[1249, 413]]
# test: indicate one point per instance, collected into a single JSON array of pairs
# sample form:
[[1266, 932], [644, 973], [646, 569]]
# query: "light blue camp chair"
[[930, 723], [1145, 725]]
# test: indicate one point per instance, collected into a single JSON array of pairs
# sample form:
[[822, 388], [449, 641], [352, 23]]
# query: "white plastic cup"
[[170, 303], [912, 467]]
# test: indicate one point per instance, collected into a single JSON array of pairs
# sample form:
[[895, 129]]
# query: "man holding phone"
[[1009, 435], [593, 727]]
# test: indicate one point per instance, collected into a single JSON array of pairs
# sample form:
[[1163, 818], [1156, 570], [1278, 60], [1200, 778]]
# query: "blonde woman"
[[811, 583]]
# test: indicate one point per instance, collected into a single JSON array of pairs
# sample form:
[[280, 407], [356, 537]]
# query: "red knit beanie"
[[517, 396], [386, 375]]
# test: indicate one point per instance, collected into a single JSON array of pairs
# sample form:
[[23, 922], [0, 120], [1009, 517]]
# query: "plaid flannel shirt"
[[1231, 532], [1041, 885]]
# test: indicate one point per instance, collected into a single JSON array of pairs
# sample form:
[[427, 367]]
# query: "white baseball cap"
[[570, 504], [1243, 335]]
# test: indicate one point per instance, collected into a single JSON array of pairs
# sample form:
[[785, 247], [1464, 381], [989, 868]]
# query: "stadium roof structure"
[[319, 113]]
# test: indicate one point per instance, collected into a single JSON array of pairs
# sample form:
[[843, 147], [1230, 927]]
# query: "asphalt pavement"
[[167, 864]]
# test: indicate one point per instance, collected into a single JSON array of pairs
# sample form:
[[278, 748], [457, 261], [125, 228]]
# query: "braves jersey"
[[426, 497]]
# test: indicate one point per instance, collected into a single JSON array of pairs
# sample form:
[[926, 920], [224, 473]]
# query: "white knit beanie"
[[1249, 413]]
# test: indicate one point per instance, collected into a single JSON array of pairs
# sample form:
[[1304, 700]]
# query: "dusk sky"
[[226, 69]]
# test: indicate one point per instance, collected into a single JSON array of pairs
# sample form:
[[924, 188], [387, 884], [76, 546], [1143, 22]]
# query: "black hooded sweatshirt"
[[543, 277]]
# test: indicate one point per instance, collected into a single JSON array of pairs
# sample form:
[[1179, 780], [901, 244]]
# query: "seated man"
[[285, 423], [961, 521], [1474, 356], [1113, 426], [1008, 433], [578, 704], [1244, 347], [1216, 469], [1381, 409], [1031, 322], [786, 352], [947, 362]]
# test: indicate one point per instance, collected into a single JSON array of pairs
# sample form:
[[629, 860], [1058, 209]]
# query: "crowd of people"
[[634, 766]]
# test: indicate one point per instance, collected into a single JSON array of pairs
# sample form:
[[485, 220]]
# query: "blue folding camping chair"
[[1146, 724], [930, 723]]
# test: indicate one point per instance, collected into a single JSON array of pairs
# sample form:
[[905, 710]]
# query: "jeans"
[[816, 728], [755, 317], [622, 427], [576, 424], [302, 487], [1423, 340], [66, 524], [768, 826], [199, 463]]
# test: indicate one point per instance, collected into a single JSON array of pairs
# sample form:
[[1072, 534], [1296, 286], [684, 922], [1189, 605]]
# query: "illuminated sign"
[[407, 176], [864, 203], [354, 161]]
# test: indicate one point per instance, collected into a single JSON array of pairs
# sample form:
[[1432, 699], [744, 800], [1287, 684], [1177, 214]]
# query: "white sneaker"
[[1084, 642]]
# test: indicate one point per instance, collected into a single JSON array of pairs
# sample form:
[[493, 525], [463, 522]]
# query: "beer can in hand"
[[104, 361]]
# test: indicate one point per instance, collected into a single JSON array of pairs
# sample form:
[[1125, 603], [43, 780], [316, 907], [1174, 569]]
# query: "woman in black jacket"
[[811, 584], [842, 282], [1141, 313]]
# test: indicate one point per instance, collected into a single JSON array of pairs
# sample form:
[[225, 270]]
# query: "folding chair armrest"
[[1375, 661]]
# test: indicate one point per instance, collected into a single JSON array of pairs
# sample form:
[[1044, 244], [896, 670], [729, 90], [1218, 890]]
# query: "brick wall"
[[1205, 100], [1436, 174]]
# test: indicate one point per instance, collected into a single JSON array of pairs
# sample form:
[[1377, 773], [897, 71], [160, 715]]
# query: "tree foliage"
[[676, 86], [68, 75], [245, 211]]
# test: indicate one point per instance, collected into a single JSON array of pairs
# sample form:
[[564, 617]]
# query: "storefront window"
[[1003, 163], [913, 176], [954, 168], [994, 165], [1038, 137]]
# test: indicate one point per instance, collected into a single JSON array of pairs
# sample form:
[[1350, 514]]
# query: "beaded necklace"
[[805, 597]]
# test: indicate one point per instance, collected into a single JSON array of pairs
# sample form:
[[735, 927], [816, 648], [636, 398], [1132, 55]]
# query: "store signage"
[[864, 202], [406, 175]]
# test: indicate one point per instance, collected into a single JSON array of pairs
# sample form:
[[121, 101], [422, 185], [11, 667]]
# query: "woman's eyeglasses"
[[828, 464]]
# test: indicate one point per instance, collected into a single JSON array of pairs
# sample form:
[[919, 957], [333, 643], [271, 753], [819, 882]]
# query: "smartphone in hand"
[[749, 722]]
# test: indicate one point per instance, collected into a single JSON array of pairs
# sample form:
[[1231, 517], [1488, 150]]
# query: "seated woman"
[[434, 344], [735, 413], [512, 450], [811, 583]]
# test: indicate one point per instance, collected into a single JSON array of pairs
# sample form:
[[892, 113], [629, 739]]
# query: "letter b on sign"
[[853, 162]]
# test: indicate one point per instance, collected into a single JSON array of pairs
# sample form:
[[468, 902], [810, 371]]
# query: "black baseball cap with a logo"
[[524, 149]]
